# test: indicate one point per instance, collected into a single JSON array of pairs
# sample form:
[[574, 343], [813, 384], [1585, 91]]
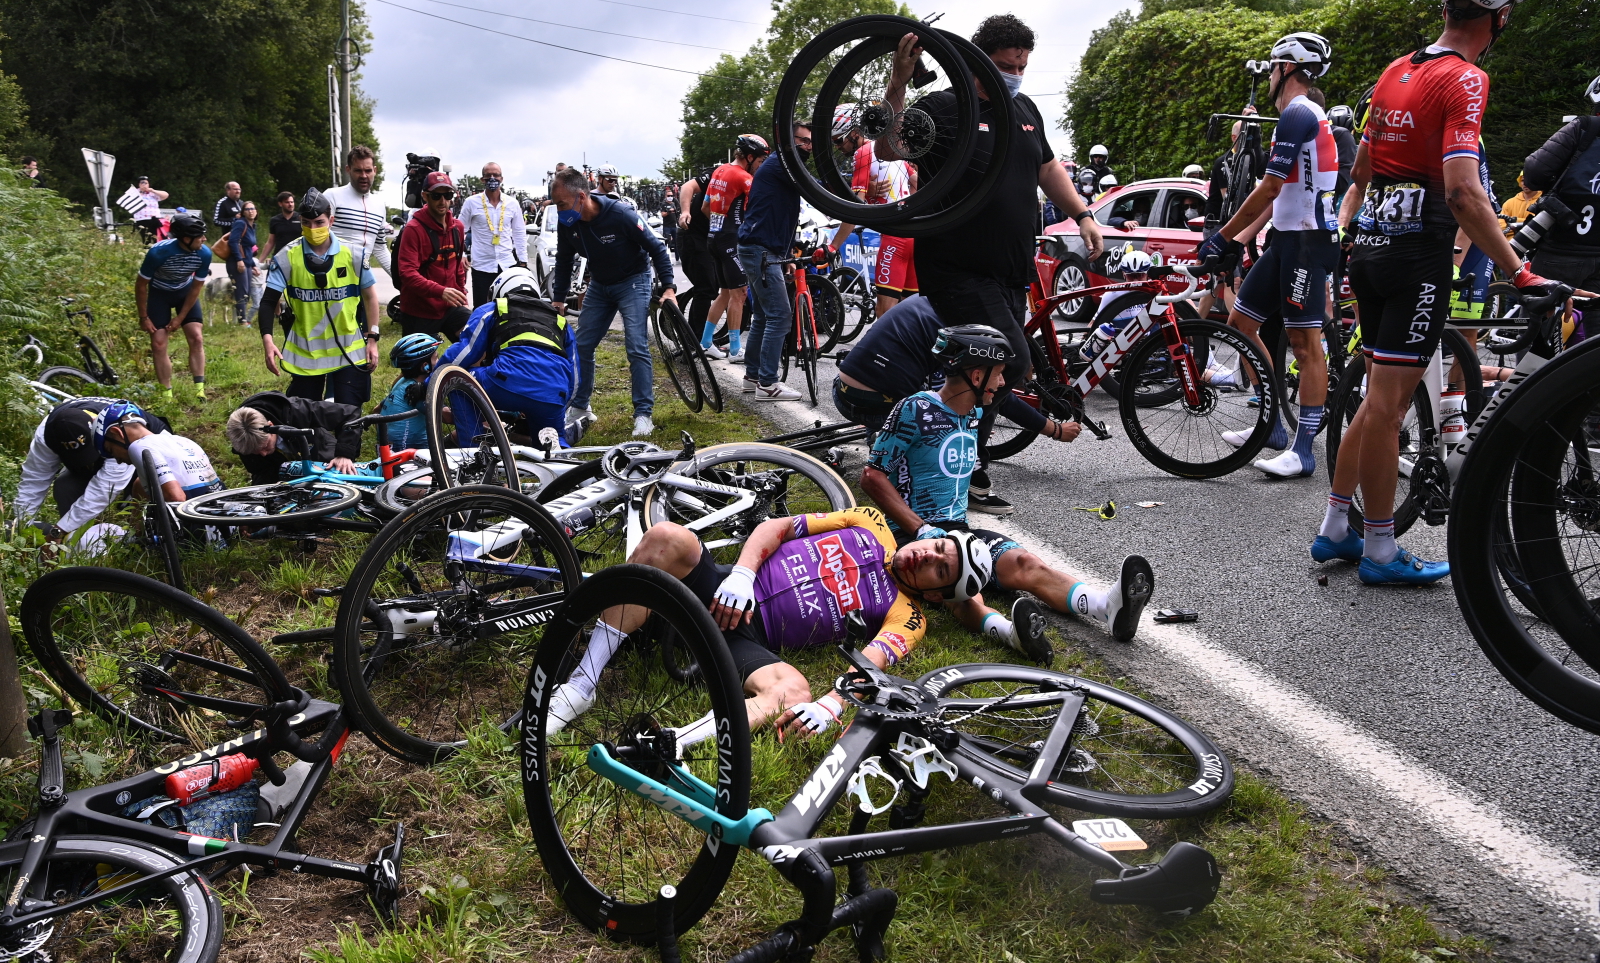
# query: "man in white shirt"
[[358, 214], [497, 237]]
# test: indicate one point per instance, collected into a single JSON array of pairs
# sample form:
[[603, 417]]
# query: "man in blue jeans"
[[771, 213], [620, 248]]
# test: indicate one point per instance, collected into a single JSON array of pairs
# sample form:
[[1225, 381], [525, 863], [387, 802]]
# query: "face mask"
[[491, 183], [315, 236], [805, 155], [568, 217], [1013, 83]]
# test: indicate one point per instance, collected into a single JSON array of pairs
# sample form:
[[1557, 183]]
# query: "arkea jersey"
[[1306, 158], [725, 197], [834, 564], [168, 267], [928, 453], [869, 169], [1426, 109], [178, 459]]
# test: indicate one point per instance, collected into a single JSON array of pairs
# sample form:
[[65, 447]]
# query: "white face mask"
[[1013, 82]]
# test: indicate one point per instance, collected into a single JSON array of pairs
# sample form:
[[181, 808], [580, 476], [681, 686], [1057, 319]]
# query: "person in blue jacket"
[[522, 352]]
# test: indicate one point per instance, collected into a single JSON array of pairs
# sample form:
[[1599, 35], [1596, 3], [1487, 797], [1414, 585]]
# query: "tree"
[[736, 95], [190, 92]]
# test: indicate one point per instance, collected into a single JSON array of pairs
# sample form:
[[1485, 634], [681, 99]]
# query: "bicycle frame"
[[576, 510]]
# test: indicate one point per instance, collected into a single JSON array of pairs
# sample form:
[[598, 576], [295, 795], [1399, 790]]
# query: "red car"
[[1163, 216]]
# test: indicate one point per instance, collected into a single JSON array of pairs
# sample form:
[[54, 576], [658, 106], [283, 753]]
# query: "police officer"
[[331, 307], [62, 457], [1568, 166]]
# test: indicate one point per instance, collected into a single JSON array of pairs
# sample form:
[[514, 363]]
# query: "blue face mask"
[[567, 217], [491, 183], [1013, 82]]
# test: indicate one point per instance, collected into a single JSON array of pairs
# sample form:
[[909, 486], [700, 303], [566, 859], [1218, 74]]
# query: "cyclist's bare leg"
[[1306, 343], [163, 360], [736, 309], [772, 689], [1022, 571], [195, 334], [1373, 438], [1250, 328], [885, 302]]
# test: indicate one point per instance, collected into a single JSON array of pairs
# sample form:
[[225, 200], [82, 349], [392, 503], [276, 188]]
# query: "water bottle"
[[1098, 341], [217, 776], [1452, 417]]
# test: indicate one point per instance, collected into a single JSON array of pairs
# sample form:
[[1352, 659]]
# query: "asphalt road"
[[1374, 707]]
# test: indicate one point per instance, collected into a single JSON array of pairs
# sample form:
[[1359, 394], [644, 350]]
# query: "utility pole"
[[347, 71]]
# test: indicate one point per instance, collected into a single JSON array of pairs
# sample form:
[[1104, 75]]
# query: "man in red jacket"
[[433, 270]]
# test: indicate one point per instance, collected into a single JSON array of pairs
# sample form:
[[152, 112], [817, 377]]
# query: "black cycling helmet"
[[1341, 115], [968, 346], [186, 225], [313, 204], [752, 145]]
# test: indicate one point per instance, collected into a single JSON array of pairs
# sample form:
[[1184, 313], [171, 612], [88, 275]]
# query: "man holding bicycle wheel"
[[978, 271]]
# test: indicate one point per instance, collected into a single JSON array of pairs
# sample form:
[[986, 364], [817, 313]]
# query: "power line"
[[570, 26], [703, 16]]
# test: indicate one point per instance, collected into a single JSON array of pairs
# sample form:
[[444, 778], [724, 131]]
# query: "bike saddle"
[[1184, 881]]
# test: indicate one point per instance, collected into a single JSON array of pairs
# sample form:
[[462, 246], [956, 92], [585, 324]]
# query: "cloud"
[[471, 96]]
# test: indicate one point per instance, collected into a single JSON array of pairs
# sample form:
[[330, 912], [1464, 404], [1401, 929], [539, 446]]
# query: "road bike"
[[687, 366], [857, 293], [95, 372], [127, 867], [1180, 390], [1245, 153], [641, 804], [804, 351]]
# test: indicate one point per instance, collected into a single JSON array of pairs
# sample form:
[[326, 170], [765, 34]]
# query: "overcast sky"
[[471, 96]]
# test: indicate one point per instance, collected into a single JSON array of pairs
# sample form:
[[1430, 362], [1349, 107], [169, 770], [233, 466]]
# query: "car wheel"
[[1072, 274]]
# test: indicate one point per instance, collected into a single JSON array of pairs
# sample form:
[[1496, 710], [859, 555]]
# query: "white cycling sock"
[[1380, 546], [603, 644], [1336, 523], [1088, 601], [1000, 629], [699, 730]]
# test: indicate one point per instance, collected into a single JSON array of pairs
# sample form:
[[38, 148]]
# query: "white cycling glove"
[[930, 530], [738, 590], [818, 716]]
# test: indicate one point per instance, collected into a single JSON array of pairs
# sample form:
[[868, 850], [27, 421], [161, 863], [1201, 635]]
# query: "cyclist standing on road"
[[1415, 179], [877, 182], [770, 219], [978, 271], [727, 193], [167, 294], [1568, 166], [332, 307], [918, 474], [699, 263], [1289, 282]]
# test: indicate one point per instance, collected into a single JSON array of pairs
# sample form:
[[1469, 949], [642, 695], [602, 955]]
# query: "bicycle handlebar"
[[1186, 293], [288, 430]]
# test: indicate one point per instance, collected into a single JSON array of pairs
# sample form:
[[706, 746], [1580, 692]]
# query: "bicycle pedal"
[[383, 882]]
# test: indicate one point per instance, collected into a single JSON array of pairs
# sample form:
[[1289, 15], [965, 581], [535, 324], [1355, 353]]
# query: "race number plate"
[[1109, 834], [1393, 209]]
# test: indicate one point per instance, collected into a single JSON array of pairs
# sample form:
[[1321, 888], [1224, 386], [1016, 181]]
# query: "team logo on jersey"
[[897, 643], [1027, 127], [958, 456], [840, 576]]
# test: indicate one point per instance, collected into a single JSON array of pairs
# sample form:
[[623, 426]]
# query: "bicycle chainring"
[[618, 463], [899, 699]]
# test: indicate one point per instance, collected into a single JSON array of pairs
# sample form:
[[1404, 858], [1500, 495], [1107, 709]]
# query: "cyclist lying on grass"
[[795, 584], [918, 474]]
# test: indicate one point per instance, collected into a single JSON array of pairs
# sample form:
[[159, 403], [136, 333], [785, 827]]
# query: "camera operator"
[[1568, 168]]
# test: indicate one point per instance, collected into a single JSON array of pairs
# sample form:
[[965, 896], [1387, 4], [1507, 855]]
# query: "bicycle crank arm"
[[694, 811]]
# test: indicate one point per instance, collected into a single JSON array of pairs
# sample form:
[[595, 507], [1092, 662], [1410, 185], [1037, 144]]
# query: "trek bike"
[[1176, 399], [640, 805], [127, 868], [687, 366]]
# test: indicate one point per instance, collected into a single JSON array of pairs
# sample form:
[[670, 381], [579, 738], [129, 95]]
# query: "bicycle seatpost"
[[46, 727]]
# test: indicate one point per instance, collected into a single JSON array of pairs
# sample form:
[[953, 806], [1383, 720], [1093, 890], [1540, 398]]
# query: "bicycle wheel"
[[828, 306], [440, 615], [68, 378], [173, 919], [264, 504], [1526, 451], [484, 456], [861, 303], [670, 346], [1008, 438], [146, 657], [785, 482], [1128, 757], [701, 365], [607, 849], [159, 529], [1184, 439], [1416, 434], [805, 325]]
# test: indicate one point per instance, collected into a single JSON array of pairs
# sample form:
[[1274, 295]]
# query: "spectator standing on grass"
[[771, 214], [358, 219], [30, 170], [331, 339], [242, 261], [228, 206], [433, 266], [167, 295], [620, 249], [496, 234], [148, 217], [284, 228]]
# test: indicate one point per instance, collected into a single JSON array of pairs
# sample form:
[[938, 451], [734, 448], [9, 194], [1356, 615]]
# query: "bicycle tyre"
[[828, 308], [805, 323], [76, 863], [705, 376], [270, 504], [568, 804], [157, 514], [96, 630], [1544, 677], [1142, 422], [1182, 771], [68, 378], [418, 687], [680, 367], [1019, 438], [495, 462], [855, 287]]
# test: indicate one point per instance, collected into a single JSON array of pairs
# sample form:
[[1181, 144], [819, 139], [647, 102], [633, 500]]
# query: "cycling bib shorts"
[[1290, 280], [1404, 299], [162, 305], [724, 253], [897, 272]]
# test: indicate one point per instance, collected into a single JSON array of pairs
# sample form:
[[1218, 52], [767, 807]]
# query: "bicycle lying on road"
[[640, 805]]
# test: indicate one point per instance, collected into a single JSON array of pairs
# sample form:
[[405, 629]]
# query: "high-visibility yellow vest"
[[326, 333]]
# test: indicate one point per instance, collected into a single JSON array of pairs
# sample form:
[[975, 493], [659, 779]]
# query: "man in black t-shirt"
[[977, 272], [284, 227]]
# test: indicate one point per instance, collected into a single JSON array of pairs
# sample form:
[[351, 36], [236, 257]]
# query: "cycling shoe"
[[1325, 549], [1128, 598], [1403, 569], [1287, 465], [1027, 620], [566, 704]]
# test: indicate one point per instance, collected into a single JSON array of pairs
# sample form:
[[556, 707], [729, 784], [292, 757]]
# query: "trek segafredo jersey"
[[1306, 158]]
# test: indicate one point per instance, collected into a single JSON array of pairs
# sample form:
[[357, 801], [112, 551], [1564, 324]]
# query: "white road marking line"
[[1507, 847]]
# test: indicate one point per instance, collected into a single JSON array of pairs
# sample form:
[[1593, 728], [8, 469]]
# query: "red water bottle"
[[219, 775]]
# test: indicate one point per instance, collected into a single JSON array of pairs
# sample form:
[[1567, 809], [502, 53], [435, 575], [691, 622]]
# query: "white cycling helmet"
[[1110, 180], [1136, 262], [1195, 171], [977, 565], [844, 119], [1309, 51], [1594, 92], [1099, 150], [514, 280]]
